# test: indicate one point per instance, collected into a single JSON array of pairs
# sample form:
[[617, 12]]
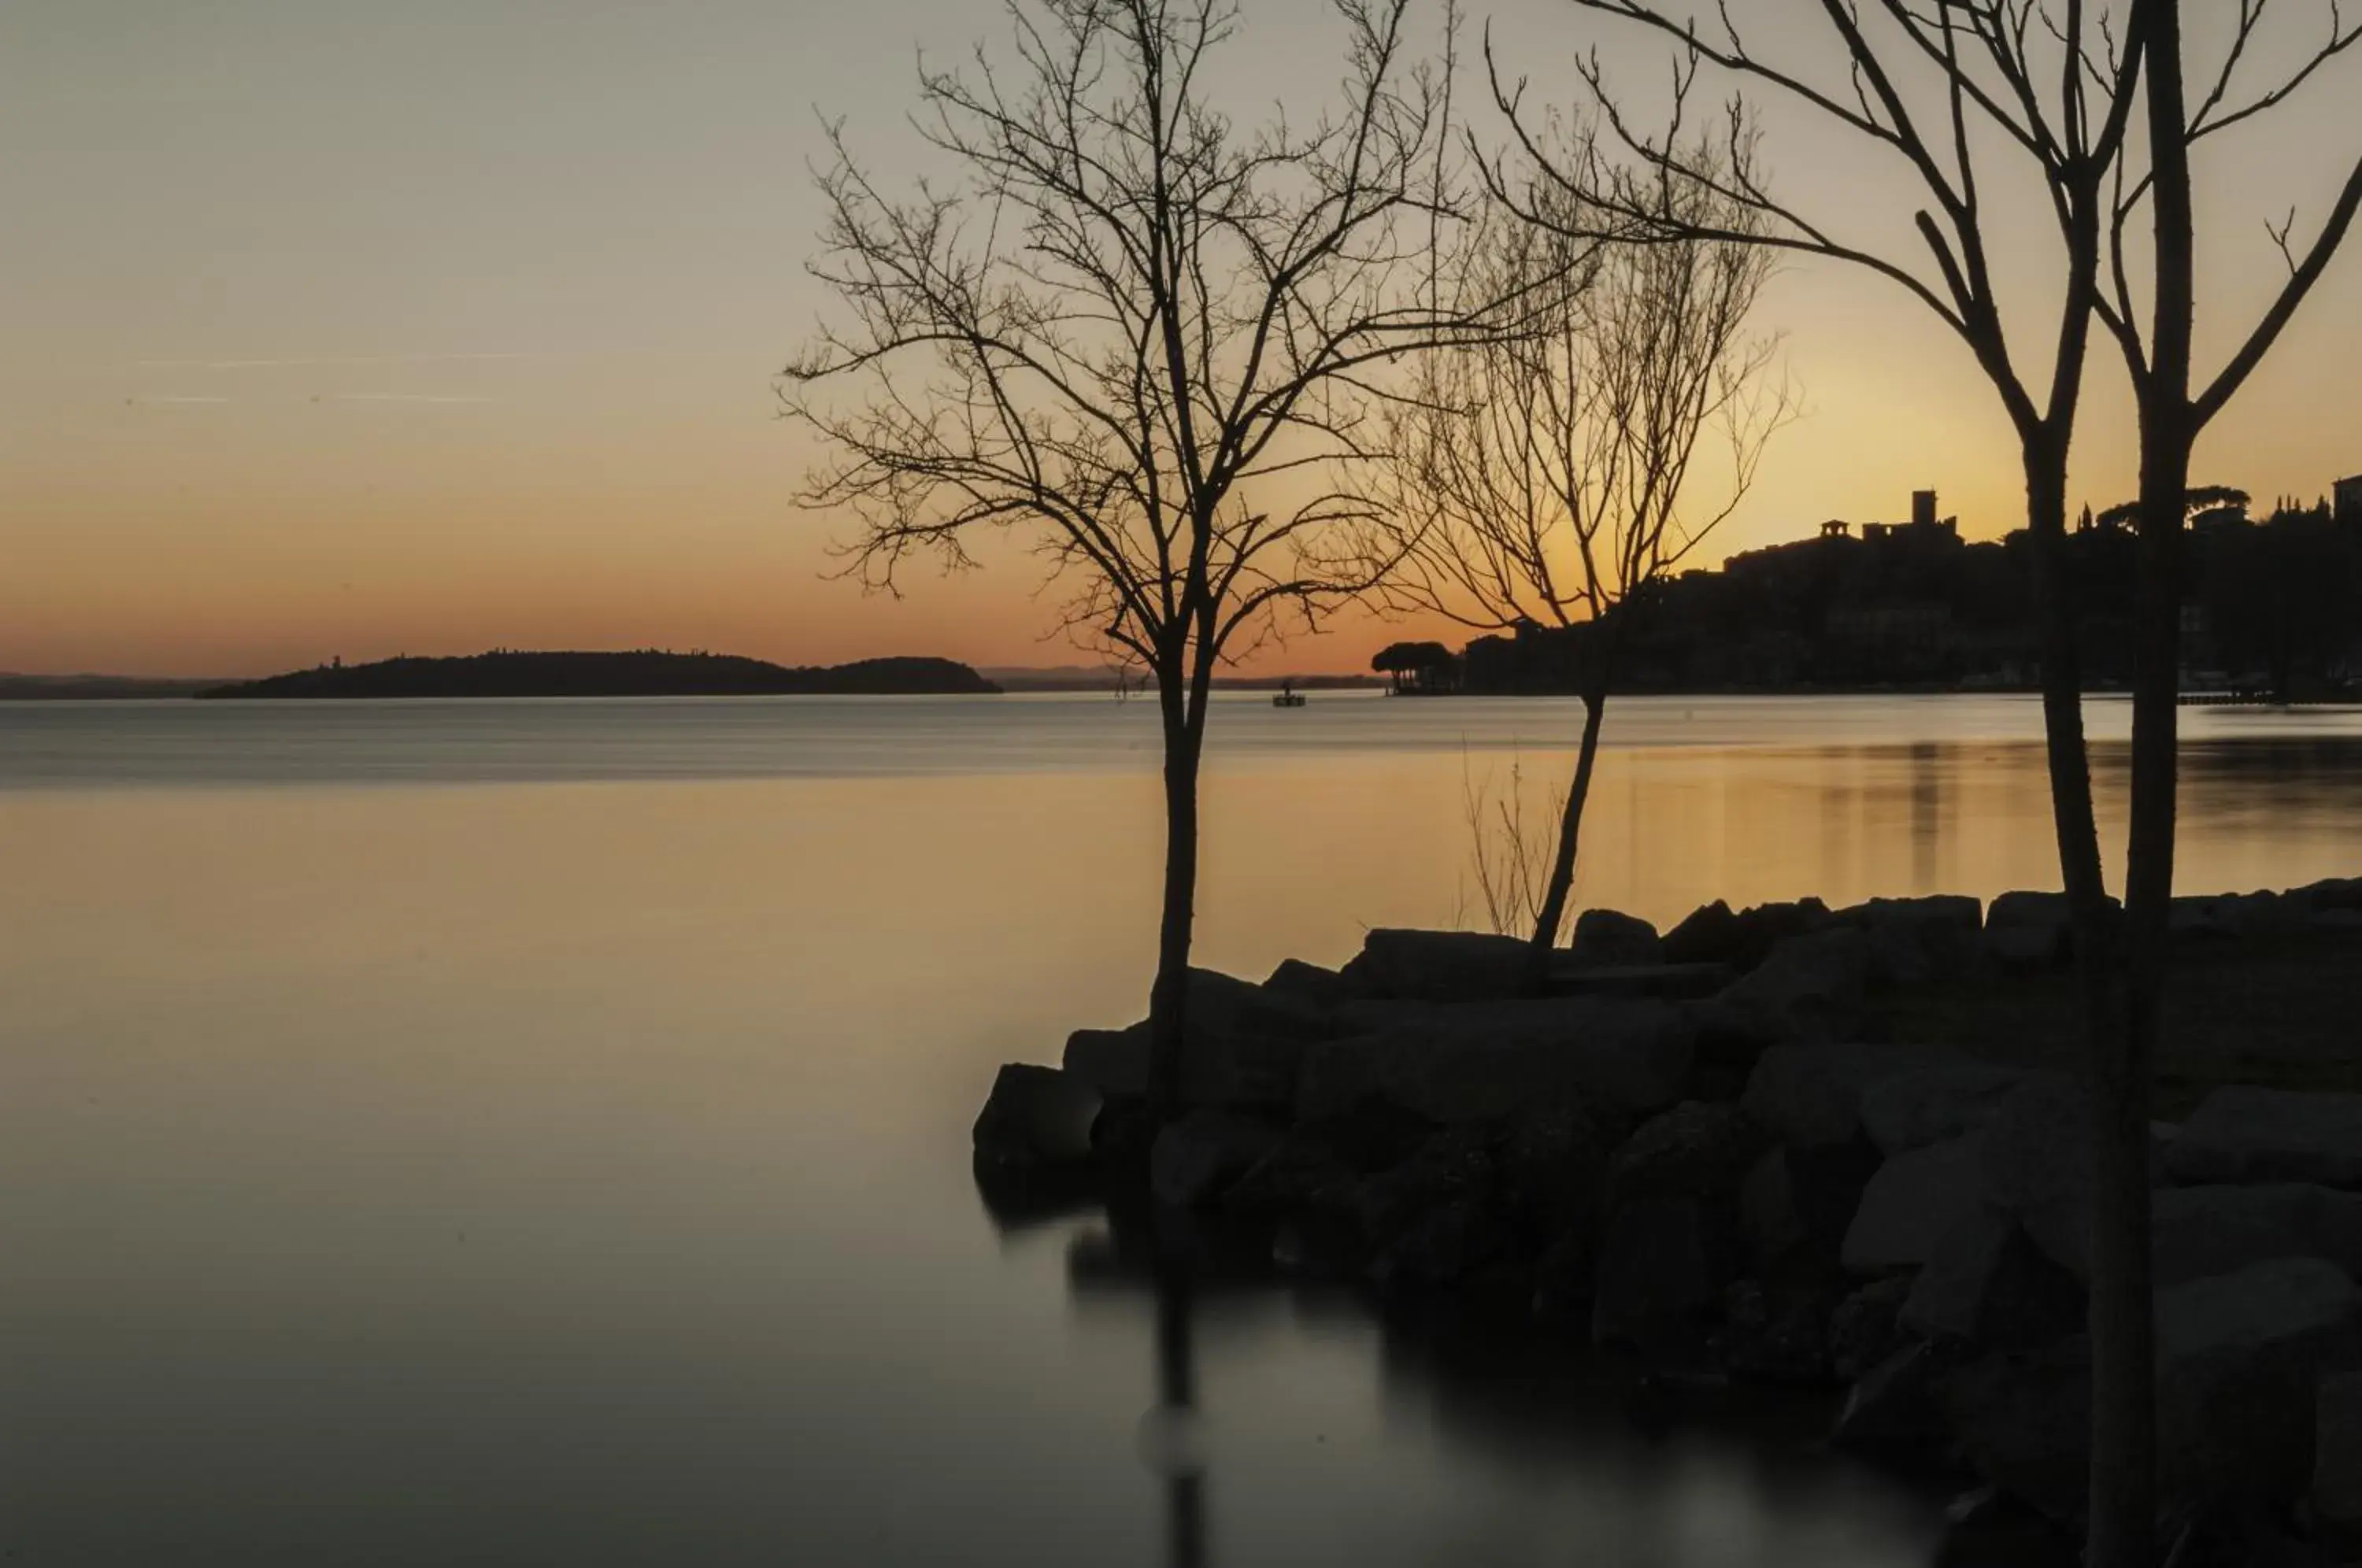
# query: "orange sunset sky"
[[351, 329]]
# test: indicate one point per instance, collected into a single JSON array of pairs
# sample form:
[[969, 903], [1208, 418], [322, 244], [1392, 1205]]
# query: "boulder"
[[1441, 967], [1810, 987], [2239, 1359], [1774, 1335], [1609, 938], [1809, 1096], [1194, 1159], [2198, 918], [1715, 936], [1553, 1166], [1301, 1173], [1311, 983], [1036, 1118], [1662, 1263], [1892, 1405], [1242, 1046], [1618, 1060], [2201, 1230], [2037, 1165], [1696, 1150], [1456, 1166], [1439, 1247], [1915, 942], [1913, 1202], [1931, 1103], [1990, 1529], [2026, 931], [1707, 935], [1988, 1284], [2336, 895], [1865, 1328], [2022, 1420], [1670, 982], [1799, 1202], [2244, 1134], [2337, 1458]]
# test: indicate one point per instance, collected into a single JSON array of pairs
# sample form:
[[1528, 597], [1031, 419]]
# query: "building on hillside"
[[2346, 498]]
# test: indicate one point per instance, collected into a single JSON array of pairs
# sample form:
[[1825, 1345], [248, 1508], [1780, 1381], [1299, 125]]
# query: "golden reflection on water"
[[582, 1164]]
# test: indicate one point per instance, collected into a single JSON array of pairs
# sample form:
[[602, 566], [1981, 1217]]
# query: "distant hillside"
[[637, 674]]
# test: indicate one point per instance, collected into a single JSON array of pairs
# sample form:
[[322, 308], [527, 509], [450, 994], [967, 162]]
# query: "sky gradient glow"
[[353, 329]]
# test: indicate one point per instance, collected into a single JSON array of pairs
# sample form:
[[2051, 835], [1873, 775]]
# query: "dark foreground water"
[[537, 1132]]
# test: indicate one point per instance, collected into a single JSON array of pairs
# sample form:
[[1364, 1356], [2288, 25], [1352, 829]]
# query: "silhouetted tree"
[[2282, 599], [1941, 90], [1139, 333], [1552, 477], [1414, 663], [2176, 407]]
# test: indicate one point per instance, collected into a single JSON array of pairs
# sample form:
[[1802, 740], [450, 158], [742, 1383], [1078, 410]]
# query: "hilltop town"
[[2275, 607]]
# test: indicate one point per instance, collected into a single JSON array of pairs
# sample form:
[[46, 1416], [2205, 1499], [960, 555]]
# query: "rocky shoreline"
[[1710, 1150]]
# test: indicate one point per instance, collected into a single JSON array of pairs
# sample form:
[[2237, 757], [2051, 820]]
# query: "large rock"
[[1610, 937], [1811, 987], [1662, 1263], [1892, 1406], [1242, 1046], [1913, 1202], [2334, 895], [1668, 982], [2037, 1165], [1865, 1328], [1036, 1118], [1696, 1150], [2022, 1420], [2202, 1231], [1441, 967], [1775, 1334], [1711, 935], [1194, 1159], [2243, 1134], [1311, 984], [1553, 1166], [1931, 1103], [1800, 1202], [2026, 931], [2337, 1458], [1617, 1059], [2239, 1357], [1915, 942], [1988, 1284], [1807, 1096], [1715, 935]]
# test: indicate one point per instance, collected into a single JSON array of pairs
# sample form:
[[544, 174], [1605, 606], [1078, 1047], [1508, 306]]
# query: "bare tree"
[[1142, 336], [2057, 85], [1953, 94], [1552, 477], [2175, 409]]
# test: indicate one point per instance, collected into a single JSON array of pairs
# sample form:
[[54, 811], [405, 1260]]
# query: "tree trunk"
[[2062, 696], [1168, 998], [2123, 1320], [1570, 832]]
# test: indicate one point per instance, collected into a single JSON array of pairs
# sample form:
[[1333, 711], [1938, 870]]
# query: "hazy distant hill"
[[636, 674]]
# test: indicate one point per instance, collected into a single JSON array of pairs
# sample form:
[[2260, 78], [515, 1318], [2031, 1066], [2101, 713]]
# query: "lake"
[[537, 1131]]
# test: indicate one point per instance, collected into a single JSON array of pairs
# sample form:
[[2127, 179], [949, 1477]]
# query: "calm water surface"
[[537, 1132]]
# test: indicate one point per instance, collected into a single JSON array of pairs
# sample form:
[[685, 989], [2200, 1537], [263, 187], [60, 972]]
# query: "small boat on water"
[[1287, 696]]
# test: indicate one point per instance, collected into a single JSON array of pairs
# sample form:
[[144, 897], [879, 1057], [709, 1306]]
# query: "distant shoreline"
[[638, 673]]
